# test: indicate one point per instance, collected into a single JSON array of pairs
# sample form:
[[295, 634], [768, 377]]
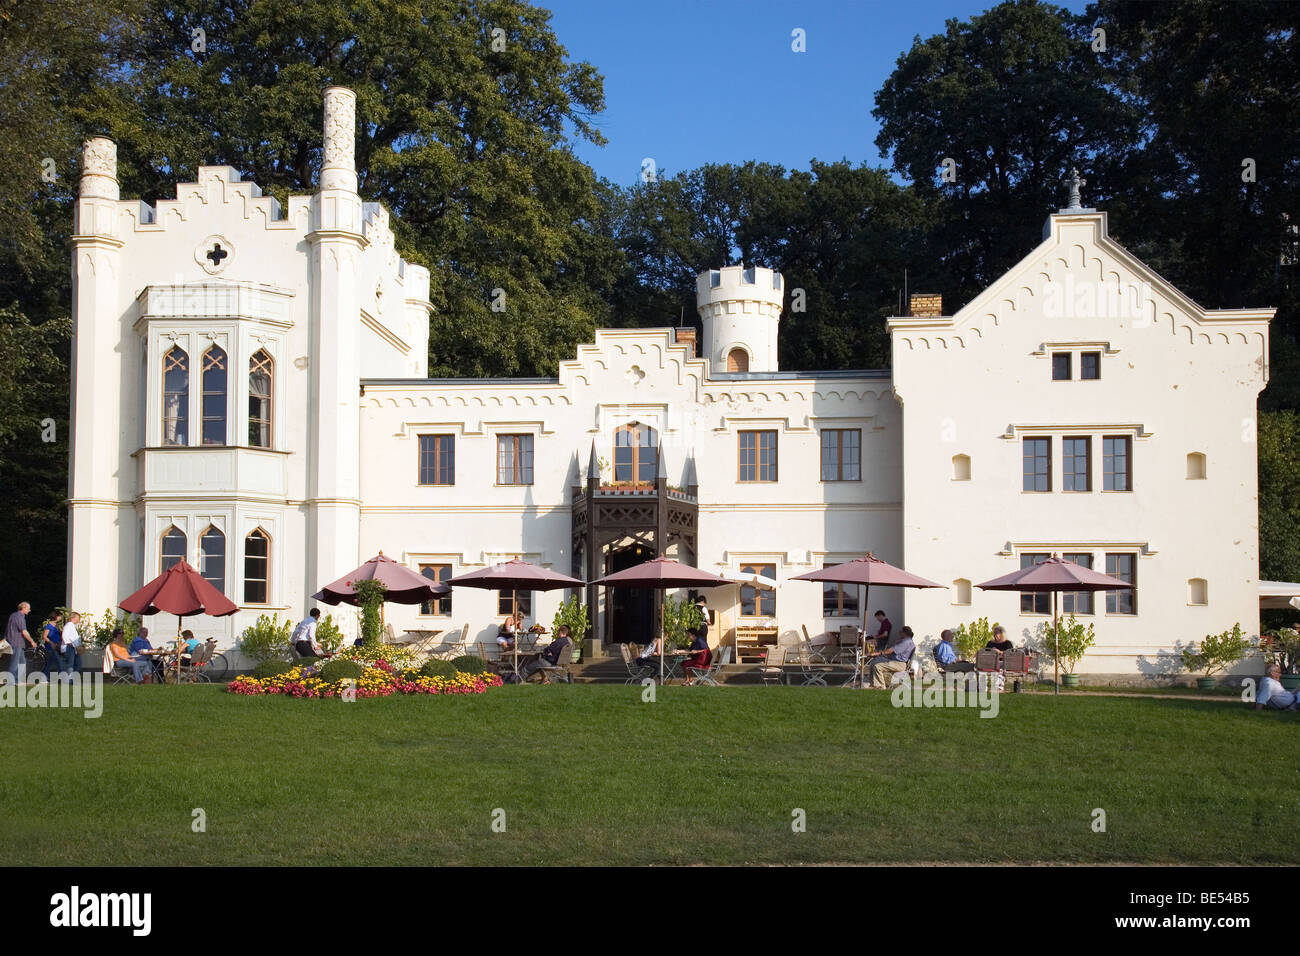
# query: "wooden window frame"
[[1070, 600], [182, 417], [637, 430], [505, 606], [759, 462], [517, 457], [210, 530], [761, 596], [438, 457], [1108, 473], [262, 534], [1096, 357], [1024, 444], [839, 434], [1034, 598], [265, 419], [1115, 598], [162, 548], [438, 606], [214, 360], [1068, 455], [1069, 366]]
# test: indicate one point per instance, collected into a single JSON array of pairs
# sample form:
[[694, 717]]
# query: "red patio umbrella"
[[663, 574], [1055, 575], [404, 586], [867, 571], [182, 591], [515, 575]]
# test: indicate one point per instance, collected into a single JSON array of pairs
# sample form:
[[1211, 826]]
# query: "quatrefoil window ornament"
[[214, 254]]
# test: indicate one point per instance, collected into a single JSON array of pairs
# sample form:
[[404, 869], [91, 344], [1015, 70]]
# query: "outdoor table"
[[421, 641]]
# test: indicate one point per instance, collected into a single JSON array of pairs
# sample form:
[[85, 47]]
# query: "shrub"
[[267, 640], [970, 640], [328, 635], [272, 669], [1218, 651], [1282, 647], [100, 633], [335, 671], [470, 664], [439, 669], [1068, 642]]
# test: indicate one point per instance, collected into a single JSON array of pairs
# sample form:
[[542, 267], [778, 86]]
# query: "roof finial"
[[1074, 182]]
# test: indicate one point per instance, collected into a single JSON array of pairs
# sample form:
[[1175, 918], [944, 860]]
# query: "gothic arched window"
[[214, 396], [212, 557], [172, 551], [257, 567], [176, 397], [260, 384]]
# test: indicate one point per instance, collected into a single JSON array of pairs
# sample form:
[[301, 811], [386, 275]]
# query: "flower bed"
[[379, 679]]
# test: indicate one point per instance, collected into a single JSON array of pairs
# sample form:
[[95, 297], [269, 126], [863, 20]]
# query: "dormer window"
[[636, 458]]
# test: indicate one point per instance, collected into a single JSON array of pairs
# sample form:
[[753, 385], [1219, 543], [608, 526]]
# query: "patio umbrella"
[[515, 575], [662, 574], [404, 586], [1054, 575], [182, 591], [867, 571]]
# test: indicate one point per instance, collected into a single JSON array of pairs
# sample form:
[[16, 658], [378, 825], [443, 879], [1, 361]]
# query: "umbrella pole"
[[1056, 651], [662, 597], [514, 614], [861, 652]]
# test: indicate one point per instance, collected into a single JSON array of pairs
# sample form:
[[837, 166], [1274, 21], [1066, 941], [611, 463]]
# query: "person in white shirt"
[[1271, 692], [72, 644], [304, 635]]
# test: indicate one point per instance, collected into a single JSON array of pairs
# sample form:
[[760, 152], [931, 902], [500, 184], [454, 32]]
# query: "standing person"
[[72, 643], [304, 635], [19, 640], [884, 629], [53, 639]]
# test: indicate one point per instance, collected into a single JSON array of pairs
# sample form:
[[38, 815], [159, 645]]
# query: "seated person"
[[189, 644], [699, 658], [893, 661], [883, 630], [554, 653], [506, 635], [999, 642], [122, 658], [53, 641], [140, 645], [649, 656], [1272, 694], [945, 655]]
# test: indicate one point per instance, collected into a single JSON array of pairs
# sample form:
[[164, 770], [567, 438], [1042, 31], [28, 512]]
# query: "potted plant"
[[1068, 641], [370, 598], [1282, 647], [573, 614], [1218, 652]]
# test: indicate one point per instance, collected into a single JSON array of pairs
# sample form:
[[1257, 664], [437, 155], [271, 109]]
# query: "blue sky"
[[689, 82]]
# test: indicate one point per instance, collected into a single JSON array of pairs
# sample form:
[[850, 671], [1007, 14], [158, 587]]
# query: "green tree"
[[1278, 441], [1015, 97], [462, 132]]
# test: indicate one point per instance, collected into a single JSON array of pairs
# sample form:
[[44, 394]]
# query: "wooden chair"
[[773, 669]]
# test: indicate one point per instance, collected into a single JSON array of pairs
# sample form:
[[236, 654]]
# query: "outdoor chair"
[[813, 673], [772, 670], [558, 671], [191, 671], [989, 661], [635, 672], [848, 635], [817, 651], [721, 658], [1018, 663], [114, 674]]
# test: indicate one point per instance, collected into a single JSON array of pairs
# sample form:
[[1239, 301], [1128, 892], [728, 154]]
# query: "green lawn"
[[591, 774]]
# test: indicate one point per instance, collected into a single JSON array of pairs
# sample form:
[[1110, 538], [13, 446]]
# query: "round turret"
[[740, 308]]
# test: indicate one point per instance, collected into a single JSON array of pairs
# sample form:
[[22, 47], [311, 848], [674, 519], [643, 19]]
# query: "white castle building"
[[250, 394]]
